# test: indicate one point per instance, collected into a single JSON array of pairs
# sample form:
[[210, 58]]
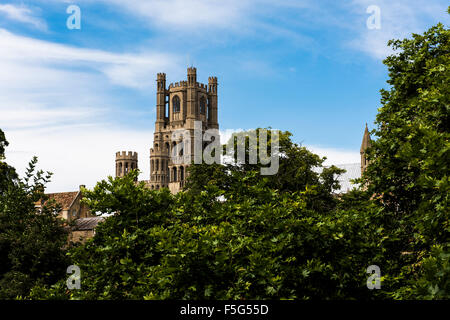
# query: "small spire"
[[366, 142]]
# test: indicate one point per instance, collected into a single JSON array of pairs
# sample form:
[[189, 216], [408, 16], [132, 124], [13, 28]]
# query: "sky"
[[73, 97]]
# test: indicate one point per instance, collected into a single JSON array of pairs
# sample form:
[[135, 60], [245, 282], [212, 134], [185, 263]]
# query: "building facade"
[[73, 210]]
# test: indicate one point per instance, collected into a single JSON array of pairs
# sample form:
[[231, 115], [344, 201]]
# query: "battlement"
[[212, 80], [180, 84], [184, 84], [192, 71], [133, 156], [161, 76]]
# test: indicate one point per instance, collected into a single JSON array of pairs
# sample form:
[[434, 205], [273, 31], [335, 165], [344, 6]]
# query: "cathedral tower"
[[178, 106]]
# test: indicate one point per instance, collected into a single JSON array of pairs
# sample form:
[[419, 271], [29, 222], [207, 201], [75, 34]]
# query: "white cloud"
[[37, 117], [399, 19], [336, 156], [80, 154], [55, 101], [131, 70], [192, 14], [22, 14]]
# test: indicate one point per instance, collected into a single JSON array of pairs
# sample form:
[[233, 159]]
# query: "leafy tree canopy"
[[31, 241]]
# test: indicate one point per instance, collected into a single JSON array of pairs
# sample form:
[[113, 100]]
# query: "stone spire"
[[366, 143]]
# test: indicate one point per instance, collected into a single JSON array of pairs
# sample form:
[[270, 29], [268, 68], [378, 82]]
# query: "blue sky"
[[74, 97]]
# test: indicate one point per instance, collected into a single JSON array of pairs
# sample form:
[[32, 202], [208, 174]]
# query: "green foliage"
[[30, 242], [431, 279], [409, 165], [7, 173], [236, 237]]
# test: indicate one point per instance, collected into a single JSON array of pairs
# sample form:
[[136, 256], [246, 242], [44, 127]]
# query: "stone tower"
[[366, 143], [178, 106], [125, 162]]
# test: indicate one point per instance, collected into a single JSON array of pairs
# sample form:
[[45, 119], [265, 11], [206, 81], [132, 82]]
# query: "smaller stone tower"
[[366, 143], [125, 162]]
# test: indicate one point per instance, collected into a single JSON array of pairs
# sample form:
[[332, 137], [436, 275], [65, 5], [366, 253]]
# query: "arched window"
[[174, 175], [120, 168], [176, 104], [202, 105], [181, 173], [167, 146]]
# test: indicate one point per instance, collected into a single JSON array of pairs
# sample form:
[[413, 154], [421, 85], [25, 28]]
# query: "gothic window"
[[176, 104], [174, 175], [202, 105], [181, 173]]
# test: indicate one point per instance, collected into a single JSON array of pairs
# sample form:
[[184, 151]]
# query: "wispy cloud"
[[398, 20], [55, 102], [44, 83], [23, 14], [188, 14], [125, 69]]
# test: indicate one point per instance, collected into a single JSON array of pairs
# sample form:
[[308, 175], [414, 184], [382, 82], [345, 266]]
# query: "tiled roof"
[[87, 223], [65, 199]]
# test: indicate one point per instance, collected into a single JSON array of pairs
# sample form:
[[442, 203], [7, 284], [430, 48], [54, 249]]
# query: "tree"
[[235, 237], [31, 241], [298, 171], [409, 168], [7, 173]]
